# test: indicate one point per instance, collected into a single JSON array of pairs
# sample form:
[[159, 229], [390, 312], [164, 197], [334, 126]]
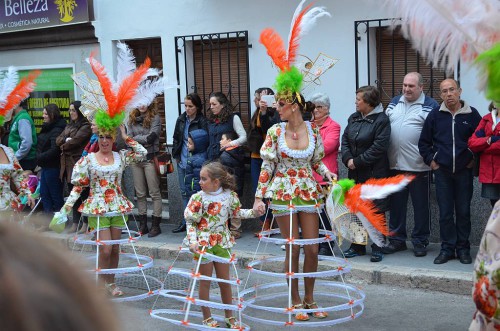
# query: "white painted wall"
[[133, 19]]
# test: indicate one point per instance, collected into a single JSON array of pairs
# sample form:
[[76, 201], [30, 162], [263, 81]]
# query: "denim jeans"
[[51, 190], [418, 189], [181, 173], [454, 195]]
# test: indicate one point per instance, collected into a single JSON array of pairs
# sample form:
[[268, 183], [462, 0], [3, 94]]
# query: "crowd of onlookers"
[[413, 134]]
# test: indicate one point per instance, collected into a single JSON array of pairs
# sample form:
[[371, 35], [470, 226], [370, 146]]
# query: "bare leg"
[[204, 290], [105, 255], [284, 225], [222, 271], [114, 258], [309, 226]]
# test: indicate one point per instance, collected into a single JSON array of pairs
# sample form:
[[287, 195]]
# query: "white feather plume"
[[444, 30], [125, 63], [374, 192], [8, 84], [374, 234], [308, 20]]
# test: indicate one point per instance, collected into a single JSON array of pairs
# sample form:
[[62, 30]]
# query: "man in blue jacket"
[[443, 146]]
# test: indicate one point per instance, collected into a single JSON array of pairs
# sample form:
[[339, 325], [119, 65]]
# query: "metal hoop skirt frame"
[[156, 314]]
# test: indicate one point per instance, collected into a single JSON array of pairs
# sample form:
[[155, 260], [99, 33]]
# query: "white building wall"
[[134, 19]]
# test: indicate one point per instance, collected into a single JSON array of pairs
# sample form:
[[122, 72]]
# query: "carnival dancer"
[[106, 206], [207, 215], [290, 153], [12, 92]]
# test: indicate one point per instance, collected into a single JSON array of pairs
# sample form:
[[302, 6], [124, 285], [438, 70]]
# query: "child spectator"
[[232, 157], [206, 217], [197, 156]]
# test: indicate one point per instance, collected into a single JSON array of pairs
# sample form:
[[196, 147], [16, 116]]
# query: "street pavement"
[[403, 292]]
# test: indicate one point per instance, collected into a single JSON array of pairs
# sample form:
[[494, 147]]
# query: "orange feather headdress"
[[289, 80], [12, 92]]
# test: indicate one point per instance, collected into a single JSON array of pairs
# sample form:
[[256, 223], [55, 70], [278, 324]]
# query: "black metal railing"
[[393, 57], [215, 62]]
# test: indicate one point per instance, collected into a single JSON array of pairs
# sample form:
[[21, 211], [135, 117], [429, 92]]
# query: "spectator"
[[191, 119], [42, 289], [330, 134], [197, 146], [72, 141], [485, 141], [144, 126], [443, 146], [222, 119], [49, 159], [407, 114], [262, 119], [22, 137], [364, 151], [233, 158]]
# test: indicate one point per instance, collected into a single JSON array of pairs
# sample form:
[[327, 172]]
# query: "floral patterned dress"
[[486, 290], [105, 197], [207, 215], [293, 177], [11, 171]]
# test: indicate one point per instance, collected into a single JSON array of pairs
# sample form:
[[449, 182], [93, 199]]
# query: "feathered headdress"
[[289, 80], [12, 93], [446, 30], [109, 102]]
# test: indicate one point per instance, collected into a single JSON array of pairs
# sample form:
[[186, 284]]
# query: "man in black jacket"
[[443, 146]]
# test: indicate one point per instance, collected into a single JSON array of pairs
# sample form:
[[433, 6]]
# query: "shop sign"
[[52, 86], [18, 15]]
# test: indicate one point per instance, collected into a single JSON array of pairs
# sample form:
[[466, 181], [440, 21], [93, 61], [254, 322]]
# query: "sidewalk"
[[401, 269]]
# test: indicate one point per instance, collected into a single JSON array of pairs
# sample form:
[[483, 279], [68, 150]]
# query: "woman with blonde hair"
[[144, 126]]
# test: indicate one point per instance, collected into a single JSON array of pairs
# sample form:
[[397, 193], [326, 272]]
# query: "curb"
[[453, 282]]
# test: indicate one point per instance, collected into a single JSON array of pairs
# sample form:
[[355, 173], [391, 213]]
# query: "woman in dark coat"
[[72, 141], [191, 119], [49, 159], [364, 151]]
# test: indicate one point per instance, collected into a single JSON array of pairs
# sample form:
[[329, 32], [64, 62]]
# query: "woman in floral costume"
[[11, 171], [106, 205], [291, 151]]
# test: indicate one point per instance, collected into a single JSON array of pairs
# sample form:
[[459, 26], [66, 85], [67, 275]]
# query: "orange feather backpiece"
[[275, 48], [295, 33], [355, 204], [22, 90], [128, 88]]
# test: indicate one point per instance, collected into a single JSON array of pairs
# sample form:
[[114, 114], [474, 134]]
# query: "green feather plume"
[[346, 184], [2, 119], [289, 81], [490, 61], [106, 123]]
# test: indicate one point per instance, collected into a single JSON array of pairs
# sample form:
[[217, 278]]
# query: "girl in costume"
[[207, 215], [12, 92], [290, 153]]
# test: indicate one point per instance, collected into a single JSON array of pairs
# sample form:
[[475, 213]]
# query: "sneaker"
[[351, 252], [377, 256], [419, 250], [325, 251], [394, 246]]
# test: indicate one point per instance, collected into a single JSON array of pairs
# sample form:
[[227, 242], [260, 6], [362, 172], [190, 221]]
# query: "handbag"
[[163, 163]]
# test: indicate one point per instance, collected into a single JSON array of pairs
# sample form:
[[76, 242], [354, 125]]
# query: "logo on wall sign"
[[66, 8]]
